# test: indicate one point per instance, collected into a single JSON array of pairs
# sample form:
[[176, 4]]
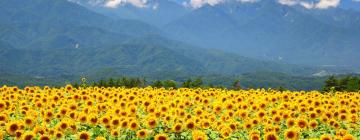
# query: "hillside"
[[271, 31], [81, 42]]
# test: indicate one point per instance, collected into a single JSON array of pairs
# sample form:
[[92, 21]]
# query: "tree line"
[[131, 82], [333, 83], [348, 83]]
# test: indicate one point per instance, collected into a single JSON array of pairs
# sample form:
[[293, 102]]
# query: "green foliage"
[[170, 84], [157, 84], [187, 83], [249, 80], [127, 82], [347, 83], [236, 85]]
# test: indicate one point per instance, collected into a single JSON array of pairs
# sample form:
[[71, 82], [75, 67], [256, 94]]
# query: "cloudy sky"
[[309, 4]]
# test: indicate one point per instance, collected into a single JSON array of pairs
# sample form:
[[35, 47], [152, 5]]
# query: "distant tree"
[[75, 85], [211, 85], [281, 88], [236, 85], [143, 82], [118, 83], [198, 82], [170, 84], [342, 83], [157, 84], [187, 83], [94, 84], [102, 83], [330, 83], [111, 82], [125, 82], [353, 84]]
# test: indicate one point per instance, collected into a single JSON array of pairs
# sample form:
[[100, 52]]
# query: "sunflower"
[[177, 127], [29, 121], [115, 122], [63, 125], [84, 135], [302, 123], [83, 118], [2, 106], [313, 124], [124, 124], [134, 125], [161, 137], [199, 135], [255, 137], [277, 118], [44, 137], [325, 137], [217, 108], [105, 120], [3, 118], [190, 124], [58, 134], [290, 122], [348, 137], [12, 127], [28, 136], [271, 136], [115, 133], [142, 133], [93, 119], [291, 134], [151, 122]]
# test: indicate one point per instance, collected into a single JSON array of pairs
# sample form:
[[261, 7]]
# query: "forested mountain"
[[43, 39], [271, 31]]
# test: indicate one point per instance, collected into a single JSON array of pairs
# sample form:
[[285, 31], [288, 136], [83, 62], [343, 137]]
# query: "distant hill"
[[271, 31], [264, 29], [54, 38]]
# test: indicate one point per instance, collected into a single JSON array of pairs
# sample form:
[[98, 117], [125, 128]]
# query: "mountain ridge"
[[73, 46]]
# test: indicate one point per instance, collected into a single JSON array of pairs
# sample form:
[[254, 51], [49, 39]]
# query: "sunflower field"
[[180, 114]]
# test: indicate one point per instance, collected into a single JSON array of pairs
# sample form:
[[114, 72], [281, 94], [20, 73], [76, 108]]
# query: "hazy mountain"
[[271, 31], [52, 38]]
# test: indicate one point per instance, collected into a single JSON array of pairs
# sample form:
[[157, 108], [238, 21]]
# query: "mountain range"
[[40, 38], [60, 37], [265, 29]]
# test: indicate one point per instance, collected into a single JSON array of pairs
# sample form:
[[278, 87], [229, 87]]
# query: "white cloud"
[[199, 3], [320, 4], [288, 2], [324, 4], [307, 5], [117, 3]]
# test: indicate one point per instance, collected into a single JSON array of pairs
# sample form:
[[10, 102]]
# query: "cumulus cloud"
[[324, 4]]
